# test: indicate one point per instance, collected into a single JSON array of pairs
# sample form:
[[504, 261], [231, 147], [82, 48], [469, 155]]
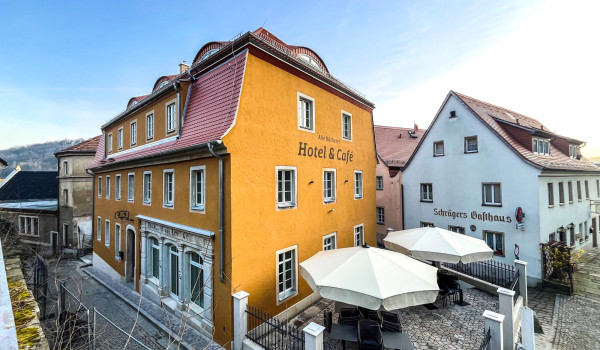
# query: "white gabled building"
[[477, 163]]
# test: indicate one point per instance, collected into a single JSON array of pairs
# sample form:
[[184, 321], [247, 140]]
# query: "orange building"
[[228, 175]]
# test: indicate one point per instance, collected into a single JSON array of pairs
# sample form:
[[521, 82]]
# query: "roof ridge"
[[397, 127], [496, 106]]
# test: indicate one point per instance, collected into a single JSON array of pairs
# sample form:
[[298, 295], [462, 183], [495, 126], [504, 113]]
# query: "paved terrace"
[[451, 328]]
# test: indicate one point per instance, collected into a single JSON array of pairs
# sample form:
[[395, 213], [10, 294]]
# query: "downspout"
[[221, 210], [402, 197], [177, 87], [187, 100], [87, 171]]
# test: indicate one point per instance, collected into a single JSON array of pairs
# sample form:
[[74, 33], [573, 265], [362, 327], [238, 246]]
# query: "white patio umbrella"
[[436, 244], [371, 278]]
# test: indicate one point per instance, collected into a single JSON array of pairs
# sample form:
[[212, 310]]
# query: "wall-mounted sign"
[[519, 214], [484, 216], [305, 150], [122, 215]]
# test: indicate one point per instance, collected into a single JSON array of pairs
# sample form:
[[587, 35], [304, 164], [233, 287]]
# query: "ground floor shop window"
[[155, 257], [196, 281], [495, 240], [174, 270]]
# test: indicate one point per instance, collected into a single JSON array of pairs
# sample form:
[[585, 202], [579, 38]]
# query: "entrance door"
[[594, 233], [130, 256]]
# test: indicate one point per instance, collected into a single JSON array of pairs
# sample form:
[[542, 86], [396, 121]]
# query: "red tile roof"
[[86, 146], [500, 119], [394, 144], [211, 112]]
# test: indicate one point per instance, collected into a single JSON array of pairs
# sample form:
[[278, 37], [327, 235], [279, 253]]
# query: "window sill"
[[149, 138], [426, 201], [359, 197], [467, 152], [380, 223], [168, 205], [551, 206], [130, 200], [329, 201], [570, 202], [300, 127], [118, 258], [107, 245], [147, 203], [438, 155], [497, 253], [108, 197], [286, 206], [491, 205], [197, 208], [284, 297], [379, 189], [170, 131], [561, 204], [345, 139], [118, 199]]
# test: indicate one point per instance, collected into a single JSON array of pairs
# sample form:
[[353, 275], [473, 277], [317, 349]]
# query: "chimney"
[[183, 66], [416, 128]]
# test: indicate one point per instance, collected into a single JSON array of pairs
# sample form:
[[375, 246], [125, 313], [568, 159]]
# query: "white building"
[[477, 163]]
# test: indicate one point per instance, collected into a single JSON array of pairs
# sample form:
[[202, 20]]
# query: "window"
[[346, 126], [579, 190], [110, 143], [118, 187], [328, 186], [550, 194], [492, 194], [117, 240], [99, 186], [65, 233], [99, 229], [286, 187], [541, 146], [587, 189], [561, 193], [168, 187], [457, 229], [471, 144], [570, 185], [379, 183], [329, 241], [572, 234], [66, 196], [573, 151], [286, 273], [65, 168], [358, 184], [196, 280], [552, 237], [120, 138], [598, 188], [426, 192], [495, 240], [171, 117], [359, 235], [155, 257], [173, 271], [133, 134], [107, 187], [107, 233], [150, 126], [452, 114], [380, 216], [311, 60], [306, 113], [438, 148], [147, 187], [426, 224], [197, 187], [130, 187], [29, 225]]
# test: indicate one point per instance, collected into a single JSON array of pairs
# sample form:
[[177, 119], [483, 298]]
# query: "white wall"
[[457, 184]]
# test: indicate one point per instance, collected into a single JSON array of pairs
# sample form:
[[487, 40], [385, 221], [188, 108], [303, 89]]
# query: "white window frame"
[[194, 205], [484, 200], [543, 143], [380, 215], [168, 127], [110, 143], [377, 182], [330, 241], [286, 293], [495, 241], [150, 125], [333, 197], [436, 152], [131, 198], [107, 233], [169, 274], [107, 189], [470, 138], [358, 185], [99, 229], [99, 185], [23, 230], [300, 97], [349, 116], [147, 200], [166, 202], [359, 235], [426, 189], [120, 138], [286, 204], [117, 240], [133, 132], [118, 185]]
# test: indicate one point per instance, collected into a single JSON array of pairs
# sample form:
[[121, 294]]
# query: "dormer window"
[[162, 84], [133, 103], [541, 146], [208, 54], [573, 151], [311, 61]]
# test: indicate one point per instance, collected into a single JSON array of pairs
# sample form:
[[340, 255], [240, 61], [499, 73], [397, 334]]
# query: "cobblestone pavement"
[[577, 323], [587, 278], [542, 303], [450, 328]]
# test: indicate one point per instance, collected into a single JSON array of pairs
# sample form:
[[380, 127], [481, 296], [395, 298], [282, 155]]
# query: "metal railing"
[[491, 271], [486, 340], [270, 333], [514, 286]]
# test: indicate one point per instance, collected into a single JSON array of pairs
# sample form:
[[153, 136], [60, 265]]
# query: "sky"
[[68, 67]]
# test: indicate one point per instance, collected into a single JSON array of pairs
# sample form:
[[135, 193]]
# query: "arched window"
[[311, 60], [208, 54], [174, 270], [162, 84], [196, 280], [155, 256]]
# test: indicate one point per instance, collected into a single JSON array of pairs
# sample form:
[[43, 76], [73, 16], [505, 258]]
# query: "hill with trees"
[[37, 157]]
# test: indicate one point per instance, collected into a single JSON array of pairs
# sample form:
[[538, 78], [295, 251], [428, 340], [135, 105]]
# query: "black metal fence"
[[270, 333], [514, 286], [491, 271], [485, 345]]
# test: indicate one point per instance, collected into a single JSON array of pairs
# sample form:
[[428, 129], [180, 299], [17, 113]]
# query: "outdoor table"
[[395, 340], [344, 332]]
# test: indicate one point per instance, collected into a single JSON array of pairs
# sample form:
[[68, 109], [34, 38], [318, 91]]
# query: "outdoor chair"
[[446, 293], [390, 322], [370, 314], [369, 335], [349, 316]]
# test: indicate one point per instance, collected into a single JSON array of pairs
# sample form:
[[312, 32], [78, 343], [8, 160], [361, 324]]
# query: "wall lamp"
[[561, 230], [570, 226]]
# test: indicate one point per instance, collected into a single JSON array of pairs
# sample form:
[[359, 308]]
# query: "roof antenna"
[[265, 22]]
